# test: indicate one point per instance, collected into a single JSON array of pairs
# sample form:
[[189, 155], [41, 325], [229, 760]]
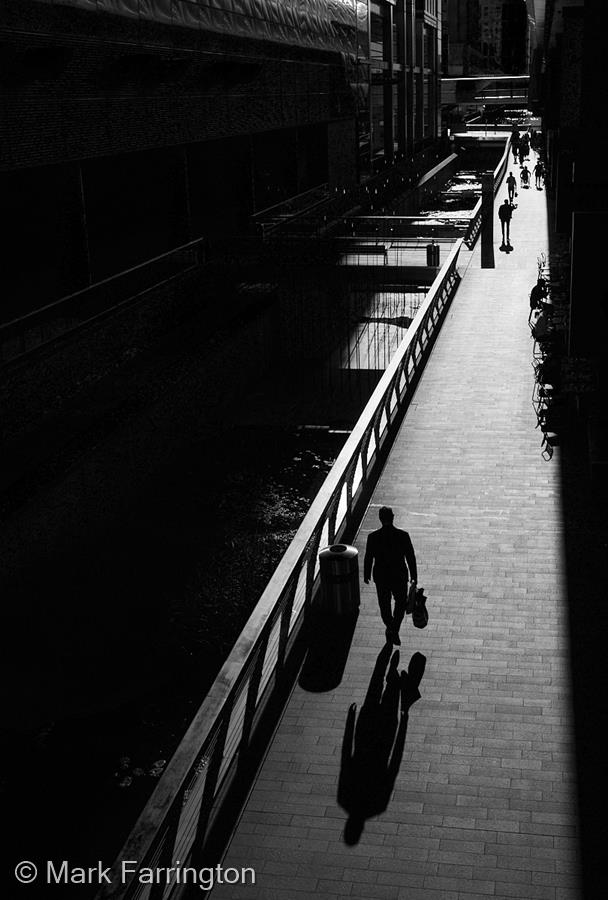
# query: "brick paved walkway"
[[484, 801]]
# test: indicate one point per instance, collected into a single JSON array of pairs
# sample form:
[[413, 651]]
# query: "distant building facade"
[[483, 37]]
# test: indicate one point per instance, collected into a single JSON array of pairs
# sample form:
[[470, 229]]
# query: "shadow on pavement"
[[373, 744], [329, 645]]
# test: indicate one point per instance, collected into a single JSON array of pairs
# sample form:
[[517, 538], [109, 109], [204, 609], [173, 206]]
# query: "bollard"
[[339, 567]]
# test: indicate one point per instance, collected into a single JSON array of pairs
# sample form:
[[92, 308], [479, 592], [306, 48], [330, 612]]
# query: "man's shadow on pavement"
[[372, 749]]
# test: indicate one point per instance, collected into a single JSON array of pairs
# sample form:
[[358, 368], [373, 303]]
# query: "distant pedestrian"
[[539, 174], [524, 176], [505, 211], [524, 149], [515, 149], [390, 552], [511, 186]]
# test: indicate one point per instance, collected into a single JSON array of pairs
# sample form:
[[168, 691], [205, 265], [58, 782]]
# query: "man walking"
[[515, 143], [539, 171], [511, 185], [389, 552], [505, 212]]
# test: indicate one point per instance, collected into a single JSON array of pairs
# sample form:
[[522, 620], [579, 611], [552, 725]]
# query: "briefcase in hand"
[[420, 614]]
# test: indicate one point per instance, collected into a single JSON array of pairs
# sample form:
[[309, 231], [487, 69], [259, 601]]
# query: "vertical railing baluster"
[[252, 698], [284, 628], [165, 858], [209, 791]]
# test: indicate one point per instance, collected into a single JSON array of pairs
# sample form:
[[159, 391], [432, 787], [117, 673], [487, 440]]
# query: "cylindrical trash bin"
[[432, 254], [339, 566]]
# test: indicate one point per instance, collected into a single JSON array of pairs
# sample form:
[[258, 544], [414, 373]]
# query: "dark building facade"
[[514, 37], [575, 92], [130, 128]]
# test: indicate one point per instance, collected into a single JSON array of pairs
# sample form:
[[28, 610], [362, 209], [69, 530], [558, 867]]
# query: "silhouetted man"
[[504, 214], [388, 554], [511, 185], [539, 172], [515, 143]]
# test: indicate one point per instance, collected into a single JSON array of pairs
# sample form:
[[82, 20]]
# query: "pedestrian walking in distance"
[[539, 171], [390, 559], [505, 212], [515, 143], [511, 186]]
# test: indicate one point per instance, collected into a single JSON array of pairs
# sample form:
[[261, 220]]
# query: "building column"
[[487, 220], [409, 65], [389, 138]]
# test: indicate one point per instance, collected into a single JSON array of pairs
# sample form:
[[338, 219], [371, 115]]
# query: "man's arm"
[[368, 559], [410, 558]]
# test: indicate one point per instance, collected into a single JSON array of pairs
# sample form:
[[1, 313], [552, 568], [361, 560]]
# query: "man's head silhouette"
[[386, 515]]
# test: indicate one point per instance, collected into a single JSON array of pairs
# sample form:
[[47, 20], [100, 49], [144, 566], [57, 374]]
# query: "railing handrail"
[[436, 169], [498, 174], [275, 206], [382, 219], [35, 314], [169, 808]]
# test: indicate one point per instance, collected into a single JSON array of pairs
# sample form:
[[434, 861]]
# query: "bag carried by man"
[[420, 614]]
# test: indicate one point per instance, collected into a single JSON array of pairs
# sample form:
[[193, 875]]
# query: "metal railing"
[[288, 210], [179, 817], [373, 193], [474, 226], [57, 319], [395, 227]]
